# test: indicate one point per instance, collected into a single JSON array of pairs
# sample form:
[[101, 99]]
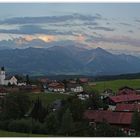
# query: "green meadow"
[[113, 84], [16, 134], [47, 98]]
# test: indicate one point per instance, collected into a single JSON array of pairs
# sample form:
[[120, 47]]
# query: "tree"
[[65, 83], [38, 112], [19, 78], [77, 108], [38, 128], [83, 129], [9, 84], [94, 101], [22, 125], [27, 80], [106, 130], [51, 123], [136, 121], [78, 80], [67, 123], [16, 105]]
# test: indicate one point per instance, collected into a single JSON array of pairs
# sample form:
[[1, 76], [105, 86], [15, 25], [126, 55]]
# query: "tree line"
[[19, 113]]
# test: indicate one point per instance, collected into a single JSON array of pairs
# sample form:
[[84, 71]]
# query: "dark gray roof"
[[70, 85], [8, 77]]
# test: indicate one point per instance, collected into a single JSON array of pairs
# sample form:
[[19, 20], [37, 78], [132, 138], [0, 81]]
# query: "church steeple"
[[2, 76], [2, 68]]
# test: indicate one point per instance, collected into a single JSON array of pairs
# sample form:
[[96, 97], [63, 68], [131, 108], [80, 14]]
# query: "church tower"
[[2, 76]]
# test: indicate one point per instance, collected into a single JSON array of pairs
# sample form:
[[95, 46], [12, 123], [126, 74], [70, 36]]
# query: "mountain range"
[[67, 60]]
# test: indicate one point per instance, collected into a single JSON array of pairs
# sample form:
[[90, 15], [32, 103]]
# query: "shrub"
[[22, 125], [38, 128], [4, 124]]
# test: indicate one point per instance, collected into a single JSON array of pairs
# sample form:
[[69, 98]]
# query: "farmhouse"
[[127, 107], [126, 91], [83, 96], [74, 88], [106, 93], [124, 99], [3, 92], [83, 80], [56, 87], [122, 119], [30, 88]]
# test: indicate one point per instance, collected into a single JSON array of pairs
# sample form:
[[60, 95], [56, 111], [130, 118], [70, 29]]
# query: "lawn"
[[114, 85], [16, 134], [48, 98]]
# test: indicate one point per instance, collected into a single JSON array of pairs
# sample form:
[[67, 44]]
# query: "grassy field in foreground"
[[48, 97], [16, 134], [114, 84]]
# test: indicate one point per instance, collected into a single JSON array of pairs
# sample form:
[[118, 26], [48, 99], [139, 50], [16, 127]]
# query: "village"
[[120, 106]]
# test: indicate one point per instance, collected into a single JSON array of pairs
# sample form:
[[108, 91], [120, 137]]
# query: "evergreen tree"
[[77, 108], [27, 80], [65, 83], [16, 105], [136, 121], [67, 124], [94, 101], [51, 123], [106, 130], [38, 112]]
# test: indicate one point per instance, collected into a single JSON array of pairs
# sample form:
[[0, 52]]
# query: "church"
[[5, 80]]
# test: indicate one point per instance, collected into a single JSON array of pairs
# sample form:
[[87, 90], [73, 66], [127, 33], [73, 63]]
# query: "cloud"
[[80, 38], [28, 41], [102, 28], [50, 19], [107, 23], [130, 31], [45, 38], [115, 40], [137, 20], [34, 29], [90, 23], [125, 24]]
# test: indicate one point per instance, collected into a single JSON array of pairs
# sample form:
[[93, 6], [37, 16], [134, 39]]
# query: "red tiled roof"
[[126, 92], [44, 80], [56, 85], [2, 90], [127, 107], [83, 80], [109, 116], [125, 98]]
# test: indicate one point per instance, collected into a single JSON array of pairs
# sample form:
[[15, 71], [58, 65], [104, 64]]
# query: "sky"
[[111, 26]]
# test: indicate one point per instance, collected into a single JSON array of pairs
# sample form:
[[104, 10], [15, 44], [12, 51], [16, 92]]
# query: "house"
[[56, 87], [83, 80], [72, 81], [106, 93], [126, 91], [30, 88], [7, 80], [83, 96], [120, 119], [130, 98], [74, 88], [44, 80], [3, 92], [21, 84], [11, 80], [12, 89], [127, 107], [35, 89]]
